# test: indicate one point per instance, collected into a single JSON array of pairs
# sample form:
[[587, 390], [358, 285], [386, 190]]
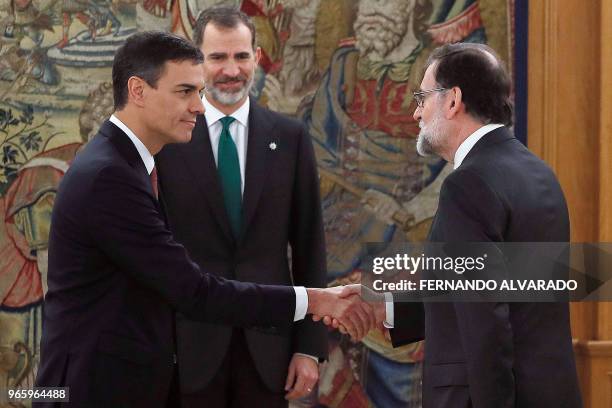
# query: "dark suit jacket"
[[281, 206], [498, 355], [116, 276]]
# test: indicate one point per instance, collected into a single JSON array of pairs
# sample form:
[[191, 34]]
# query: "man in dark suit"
[[487, 354], [244, 233], [116, 275]]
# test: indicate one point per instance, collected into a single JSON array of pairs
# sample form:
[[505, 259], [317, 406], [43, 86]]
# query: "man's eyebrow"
[[224, 54], [188, 86]]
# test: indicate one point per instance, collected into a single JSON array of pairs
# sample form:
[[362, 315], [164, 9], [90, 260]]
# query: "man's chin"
[[424, 147], [228, 98]]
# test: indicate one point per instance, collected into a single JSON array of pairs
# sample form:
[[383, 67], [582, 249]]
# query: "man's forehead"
[[222, 39], [222, 49], [429, 77], [183, 72]]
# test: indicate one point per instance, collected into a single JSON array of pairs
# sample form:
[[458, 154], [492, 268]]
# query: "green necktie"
[[229, 174]]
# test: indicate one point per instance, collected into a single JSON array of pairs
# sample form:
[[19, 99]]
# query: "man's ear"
[[137, 90], [257, 55], [455, 103]]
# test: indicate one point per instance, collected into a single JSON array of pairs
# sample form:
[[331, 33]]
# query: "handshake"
[[344, 308]]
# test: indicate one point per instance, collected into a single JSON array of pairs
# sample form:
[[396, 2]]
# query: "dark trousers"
[[237, 384]]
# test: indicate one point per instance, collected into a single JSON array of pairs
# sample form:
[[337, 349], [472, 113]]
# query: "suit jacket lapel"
[[200, 160], [257, 162], [126, 148], [162, 204]]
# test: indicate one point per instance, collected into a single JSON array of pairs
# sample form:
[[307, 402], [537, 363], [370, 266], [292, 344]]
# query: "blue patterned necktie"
[[228, 167]]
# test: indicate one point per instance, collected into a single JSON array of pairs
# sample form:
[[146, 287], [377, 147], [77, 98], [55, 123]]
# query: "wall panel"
[[570, 127]]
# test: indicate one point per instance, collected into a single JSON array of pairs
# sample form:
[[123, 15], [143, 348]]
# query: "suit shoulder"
[[472, 181], [508, 160], [282, 123], [98, 158], [277, 118], [77, 188], [466, 172]]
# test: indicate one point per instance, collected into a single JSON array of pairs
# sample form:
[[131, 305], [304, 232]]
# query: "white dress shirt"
[[301, 297], [467, 145], [460, 155], [144, 153]]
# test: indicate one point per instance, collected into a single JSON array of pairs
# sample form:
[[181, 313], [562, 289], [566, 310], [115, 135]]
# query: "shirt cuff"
[[301, 303], [389, 322], [316, 359]]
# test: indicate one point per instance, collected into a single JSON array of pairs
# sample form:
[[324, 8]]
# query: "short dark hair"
[[144, 55], [224, 17], [480, 74]]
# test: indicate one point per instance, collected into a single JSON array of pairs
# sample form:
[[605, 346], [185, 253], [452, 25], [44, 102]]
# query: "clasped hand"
[[344, 308]]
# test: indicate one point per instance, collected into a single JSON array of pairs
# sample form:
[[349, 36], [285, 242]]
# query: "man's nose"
[[417, 113], [197, 106], [231, 68]]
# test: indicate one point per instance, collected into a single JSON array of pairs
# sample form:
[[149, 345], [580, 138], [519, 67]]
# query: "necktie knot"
[[226, 121]]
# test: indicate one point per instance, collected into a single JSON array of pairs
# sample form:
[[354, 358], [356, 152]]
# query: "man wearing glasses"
[[500, 354]]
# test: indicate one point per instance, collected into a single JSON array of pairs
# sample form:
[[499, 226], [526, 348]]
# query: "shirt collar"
[[144, 153], [213, 114], [471, 140]]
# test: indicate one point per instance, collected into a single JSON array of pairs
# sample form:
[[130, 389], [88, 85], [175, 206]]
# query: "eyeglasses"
[[419, 96]]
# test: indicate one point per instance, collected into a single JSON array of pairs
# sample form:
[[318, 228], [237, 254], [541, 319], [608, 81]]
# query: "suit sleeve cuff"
[[301, 303], [316, 359], [389, 322]]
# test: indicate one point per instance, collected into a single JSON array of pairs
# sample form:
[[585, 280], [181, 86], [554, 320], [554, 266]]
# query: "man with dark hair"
[[486, 355], [223, 16], [238, 195], [374, 185], [116, 275], [490, 104]]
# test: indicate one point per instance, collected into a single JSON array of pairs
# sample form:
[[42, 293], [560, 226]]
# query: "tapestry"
[[346, 68]]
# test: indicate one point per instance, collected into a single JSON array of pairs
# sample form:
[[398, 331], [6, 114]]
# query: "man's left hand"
[[302, 377]]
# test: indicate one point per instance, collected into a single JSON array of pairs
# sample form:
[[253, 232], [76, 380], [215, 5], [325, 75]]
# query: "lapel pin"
[[272, 146]]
